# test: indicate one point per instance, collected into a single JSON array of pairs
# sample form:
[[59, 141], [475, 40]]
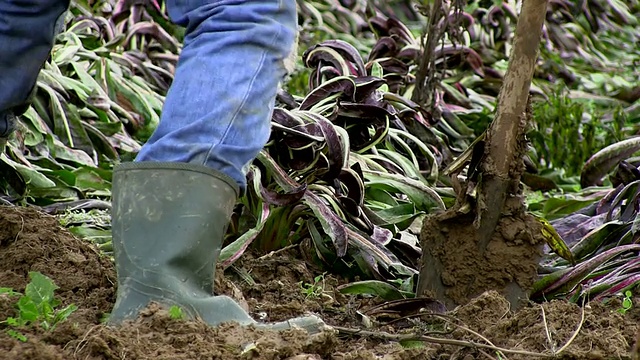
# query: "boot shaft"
[[169, 219]]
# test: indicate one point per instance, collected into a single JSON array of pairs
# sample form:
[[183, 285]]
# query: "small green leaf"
[[28, 310], [175, 312], [17, 335], [63, 314], [9, 291], [40, 289], [12, 321]]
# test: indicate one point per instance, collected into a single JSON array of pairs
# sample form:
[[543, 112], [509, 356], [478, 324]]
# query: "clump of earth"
[[33, 241]]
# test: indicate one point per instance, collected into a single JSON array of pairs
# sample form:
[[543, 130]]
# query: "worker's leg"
[[218, 109], [27, 31]]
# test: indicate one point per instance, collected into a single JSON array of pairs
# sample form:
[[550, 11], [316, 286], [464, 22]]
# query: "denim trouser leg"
[[217, 111], [27, 31]]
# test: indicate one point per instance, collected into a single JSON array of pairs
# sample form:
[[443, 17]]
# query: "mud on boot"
[[168, 223]]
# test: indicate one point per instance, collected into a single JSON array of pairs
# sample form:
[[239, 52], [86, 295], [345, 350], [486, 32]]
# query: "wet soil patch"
[[458, 269]]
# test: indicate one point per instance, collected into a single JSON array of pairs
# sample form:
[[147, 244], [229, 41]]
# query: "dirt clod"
[[457, 269]]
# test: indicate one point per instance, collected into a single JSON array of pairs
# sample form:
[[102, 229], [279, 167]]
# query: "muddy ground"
[[31, 241], [457, 270]]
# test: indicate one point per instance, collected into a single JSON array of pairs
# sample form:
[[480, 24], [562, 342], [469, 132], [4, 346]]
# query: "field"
[[375, 177], [484, 328]]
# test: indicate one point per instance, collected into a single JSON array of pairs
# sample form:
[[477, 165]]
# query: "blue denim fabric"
[[27, 30], [218, 109]]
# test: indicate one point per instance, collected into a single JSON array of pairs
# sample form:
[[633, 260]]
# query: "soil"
[[463, 256], [363, 327], [458, 270]]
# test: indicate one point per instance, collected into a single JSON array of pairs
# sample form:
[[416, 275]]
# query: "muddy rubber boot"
[[168, 222]]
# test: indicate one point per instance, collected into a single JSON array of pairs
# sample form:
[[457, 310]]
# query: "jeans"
[[218, 109], [23, 51]]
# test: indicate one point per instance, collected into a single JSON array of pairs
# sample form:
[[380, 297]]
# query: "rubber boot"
[[168, 223]]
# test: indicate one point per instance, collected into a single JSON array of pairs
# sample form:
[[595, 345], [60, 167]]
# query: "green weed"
[[175, 312], [314, 290], [627, 302], [37, 306]]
